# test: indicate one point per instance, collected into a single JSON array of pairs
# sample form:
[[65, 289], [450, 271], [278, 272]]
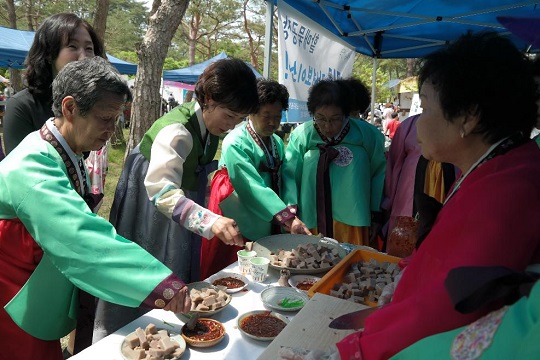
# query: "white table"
[[235, 346], [310, 328]]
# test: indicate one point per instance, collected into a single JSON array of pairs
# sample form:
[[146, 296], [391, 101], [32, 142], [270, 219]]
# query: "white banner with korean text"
[[307, 53]]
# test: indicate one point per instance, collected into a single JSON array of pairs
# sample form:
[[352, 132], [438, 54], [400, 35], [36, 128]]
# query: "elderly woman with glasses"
[[334, 165]]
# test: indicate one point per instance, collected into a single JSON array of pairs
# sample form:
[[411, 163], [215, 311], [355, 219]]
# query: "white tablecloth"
[[234, 346]]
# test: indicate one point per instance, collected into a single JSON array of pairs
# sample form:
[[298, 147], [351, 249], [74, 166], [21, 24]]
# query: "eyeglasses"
[[332, 121]]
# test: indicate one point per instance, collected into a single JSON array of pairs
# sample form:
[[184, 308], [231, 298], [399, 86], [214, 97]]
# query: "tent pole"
[[268, 37], [373, 88], [161, 93]]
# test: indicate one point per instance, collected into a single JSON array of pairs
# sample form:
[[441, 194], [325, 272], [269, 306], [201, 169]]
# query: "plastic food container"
[[337, 273]]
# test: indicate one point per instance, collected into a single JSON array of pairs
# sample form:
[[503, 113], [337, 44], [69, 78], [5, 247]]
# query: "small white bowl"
[[205, 343], [274, 297], [223, 274], [255, 313], [298, 279]]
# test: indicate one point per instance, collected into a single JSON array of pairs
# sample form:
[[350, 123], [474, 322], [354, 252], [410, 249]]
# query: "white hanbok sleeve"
[[163, 181]]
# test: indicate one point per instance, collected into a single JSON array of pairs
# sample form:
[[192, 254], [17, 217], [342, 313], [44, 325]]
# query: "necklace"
[[482, 159], [270, 154]]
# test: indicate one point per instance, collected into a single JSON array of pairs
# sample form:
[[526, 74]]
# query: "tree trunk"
[[188, 97], [29, 15], [146, 107], [100, 18], [193, 37], [410, 67], [12, 16], [252, 48]]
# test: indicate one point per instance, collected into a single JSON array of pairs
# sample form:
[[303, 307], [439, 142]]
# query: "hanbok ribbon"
[[274, 174], [271, 164], [87, 302], [324, 190], [325, 220], [327, 153], [78, 182]]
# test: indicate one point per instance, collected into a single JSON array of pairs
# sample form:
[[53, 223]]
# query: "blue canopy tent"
[[15, 44], [407, 29], [122, 66], [190, 74], [385, 29]]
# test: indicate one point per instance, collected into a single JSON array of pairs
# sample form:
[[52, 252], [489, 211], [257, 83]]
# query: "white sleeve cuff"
[[199, 220]]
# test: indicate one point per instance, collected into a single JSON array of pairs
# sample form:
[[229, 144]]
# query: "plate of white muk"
[[207, 299], [154, 343], [300, 254]]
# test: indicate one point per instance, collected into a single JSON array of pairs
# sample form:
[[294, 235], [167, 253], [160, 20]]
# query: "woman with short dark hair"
[[161, 192], [247, 186], [479, 106]]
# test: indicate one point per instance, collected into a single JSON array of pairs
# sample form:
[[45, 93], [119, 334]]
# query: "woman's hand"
[[227, 231], [180, 303], [296, 226]]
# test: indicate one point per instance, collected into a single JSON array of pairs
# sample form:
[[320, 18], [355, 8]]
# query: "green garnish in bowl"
[[290, 303]]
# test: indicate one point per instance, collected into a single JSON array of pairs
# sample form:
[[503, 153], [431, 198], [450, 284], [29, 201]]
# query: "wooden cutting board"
[[309, 328]]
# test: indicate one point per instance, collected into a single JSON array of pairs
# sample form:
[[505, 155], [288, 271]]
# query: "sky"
[[147, 3]]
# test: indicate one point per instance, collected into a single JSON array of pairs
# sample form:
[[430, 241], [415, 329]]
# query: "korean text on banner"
[[307, 53]]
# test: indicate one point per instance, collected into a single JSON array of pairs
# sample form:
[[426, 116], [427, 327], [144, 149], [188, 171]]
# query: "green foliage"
[[171, 64], [238, 49], [126, 22], [208, 22], [126, 25], [386, 69], [129, 56], [221, 29]]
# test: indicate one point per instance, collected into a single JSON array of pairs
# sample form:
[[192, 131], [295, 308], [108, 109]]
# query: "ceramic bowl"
[[243, 317], [124, 347], [270, 245], [224, 274], [213, 324], [284, 298], [199, 285], [296, 280]]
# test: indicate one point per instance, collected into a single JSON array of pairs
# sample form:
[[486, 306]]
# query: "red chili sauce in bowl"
[[204, 330], [229, 282], [262, 325], [305, 285]]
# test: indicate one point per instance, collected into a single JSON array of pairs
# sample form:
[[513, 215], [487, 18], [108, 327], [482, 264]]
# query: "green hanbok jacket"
[[80, 250], [356, 175], [254, 204]]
